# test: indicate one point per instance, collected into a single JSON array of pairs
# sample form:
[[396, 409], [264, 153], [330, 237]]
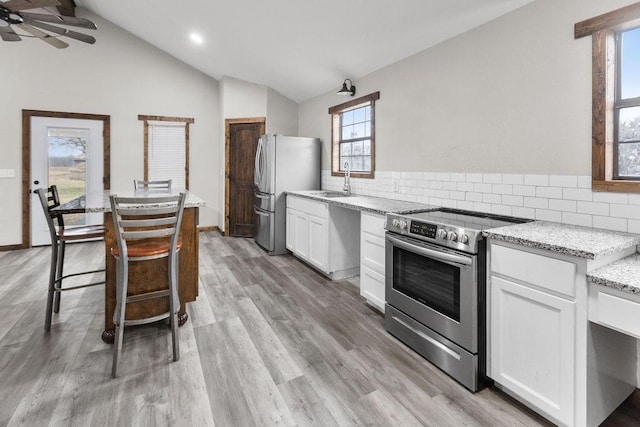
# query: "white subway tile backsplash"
[[513, 179], [482, 188], [547, 215], [536, 202], [450, 185], [481, 207], [621, 198], [512, 200], [465, 186], [501, 210], [492, 178], [559, 198], [577, 194], [524, 190], [542, 180], [492, 198], [549, 192], [563, 181], [474, 177], [610, 223], [562, 205], [584, 182], [577, 219], [625, 211], [502, 189], [474, 197], [523, 212], [593, 208], [634, 199]]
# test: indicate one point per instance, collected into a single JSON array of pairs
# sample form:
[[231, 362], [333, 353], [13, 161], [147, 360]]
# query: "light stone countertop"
[[98, 201], [623, 275], [376, 205], [583, 242]]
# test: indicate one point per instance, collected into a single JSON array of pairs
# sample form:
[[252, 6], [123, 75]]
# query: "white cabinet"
[[372, 253], [324, 236], [532, 347], [542, 349]]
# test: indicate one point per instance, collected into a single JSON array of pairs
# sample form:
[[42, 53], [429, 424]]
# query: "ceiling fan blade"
[[16, 5], [66, 20], [43, 36], [64, 32], [8, 35]]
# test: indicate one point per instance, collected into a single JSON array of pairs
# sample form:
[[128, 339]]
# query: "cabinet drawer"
[[372, 223], [372, 251], [547, 273], [319, 209], [617, 313]]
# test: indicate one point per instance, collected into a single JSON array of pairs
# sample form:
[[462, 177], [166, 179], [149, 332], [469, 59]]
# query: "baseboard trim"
[[208, 228], [13, 247]]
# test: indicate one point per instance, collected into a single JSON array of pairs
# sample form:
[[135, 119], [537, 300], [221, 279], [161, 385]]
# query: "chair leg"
[[122, 275], [52, 282], [59, 274], [174, 306]]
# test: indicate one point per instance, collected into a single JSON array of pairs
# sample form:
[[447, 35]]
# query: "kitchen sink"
[[332, 194]]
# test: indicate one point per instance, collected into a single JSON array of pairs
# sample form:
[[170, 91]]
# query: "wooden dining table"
[[150, 275]]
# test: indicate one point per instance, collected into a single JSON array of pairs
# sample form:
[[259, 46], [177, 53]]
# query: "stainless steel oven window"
[[431, 282]]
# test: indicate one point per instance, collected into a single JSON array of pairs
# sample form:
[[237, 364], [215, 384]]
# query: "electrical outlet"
[[7, 173]]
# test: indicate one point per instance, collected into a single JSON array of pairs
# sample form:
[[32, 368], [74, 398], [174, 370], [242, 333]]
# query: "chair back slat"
[[140, 184], [136, 218], [49, 200]]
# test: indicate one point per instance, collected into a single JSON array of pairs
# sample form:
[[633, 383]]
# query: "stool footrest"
[[149, 295], [147, 320]]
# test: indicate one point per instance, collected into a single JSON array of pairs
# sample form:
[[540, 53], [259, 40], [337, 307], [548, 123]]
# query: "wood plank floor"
[[269, 342]]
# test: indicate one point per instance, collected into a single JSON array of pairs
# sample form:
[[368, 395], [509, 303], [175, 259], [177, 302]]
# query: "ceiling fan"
[[12, 15]]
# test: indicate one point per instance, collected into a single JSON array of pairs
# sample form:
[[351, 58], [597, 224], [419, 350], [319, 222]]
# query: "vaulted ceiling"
[[300, 48]]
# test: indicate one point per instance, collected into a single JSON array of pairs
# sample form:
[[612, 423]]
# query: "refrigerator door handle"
[[256, 172]]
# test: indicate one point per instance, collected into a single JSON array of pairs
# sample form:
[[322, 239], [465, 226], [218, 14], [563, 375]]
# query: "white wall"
[[121, 76], [512, 96], [241, 99]]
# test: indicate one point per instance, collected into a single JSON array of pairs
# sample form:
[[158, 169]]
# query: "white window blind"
[[167, 152]]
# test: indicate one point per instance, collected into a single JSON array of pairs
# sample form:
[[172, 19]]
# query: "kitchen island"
[[150, 275]]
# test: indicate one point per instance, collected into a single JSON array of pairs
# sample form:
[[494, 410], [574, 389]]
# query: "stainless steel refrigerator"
[[283, 163]]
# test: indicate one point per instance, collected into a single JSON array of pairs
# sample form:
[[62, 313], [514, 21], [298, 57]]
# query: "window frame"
[[603, 29], [335, 113], [186, 121]]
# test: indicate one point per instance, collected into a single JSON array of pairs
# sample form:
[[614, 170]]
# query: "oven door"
[[436, 286]]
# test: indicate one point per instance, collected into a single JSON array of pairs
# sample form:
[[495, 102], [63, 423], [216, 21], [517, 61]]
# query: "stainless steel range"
[[435, 287]]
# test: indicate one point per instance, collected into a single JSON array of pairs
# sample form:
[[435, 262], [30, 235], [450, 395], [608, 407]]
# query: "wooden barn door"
[[242, 140]]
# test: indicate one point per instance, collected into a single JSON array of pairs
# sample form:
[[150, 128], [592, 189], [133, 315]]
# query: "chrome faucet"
[[347, 179]]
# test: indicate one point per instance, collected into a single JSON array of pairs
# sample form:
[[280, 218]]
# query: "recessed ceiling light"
[[196, 38]]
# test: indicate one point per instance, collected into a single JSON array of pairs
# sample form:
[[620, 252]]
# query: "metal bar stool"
[[139, 184], [146, 228], [60, 235]]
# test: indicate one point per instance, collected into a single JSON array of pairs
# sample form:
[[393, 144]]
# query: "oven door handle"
[[438, 255]]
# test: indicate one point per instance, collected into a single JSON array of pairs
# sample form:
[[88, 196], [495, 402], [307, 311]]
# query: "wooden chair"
[[151, 185], [60, 236], [146, 228]]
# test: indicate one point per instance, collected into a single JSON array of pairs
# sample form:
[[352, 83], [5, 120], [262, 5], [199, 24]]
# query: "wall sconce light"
[[351, 90]]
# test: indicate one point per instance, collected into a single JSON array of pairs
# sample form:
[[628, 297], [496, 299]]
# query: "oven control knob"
[[442, 234], [395, 222], [464, 239], [453, 236], [403, 225]]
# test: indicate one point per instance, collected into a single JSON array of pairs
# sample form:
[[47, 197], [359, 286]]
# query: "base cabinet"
[[372, 253], [542, 349], [324, 236], [533, 348]]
